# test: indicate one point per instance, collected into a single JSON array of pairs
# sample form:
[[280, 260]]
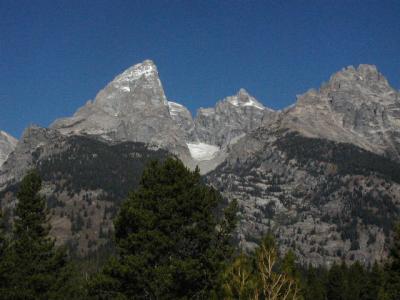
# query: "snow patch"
[[202, 151], [175, 108], [250, 102], [145, 69]]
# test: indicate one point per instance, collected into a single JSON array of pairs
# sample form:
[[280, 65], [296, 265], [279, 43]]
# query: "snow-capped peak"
[[146, 69], [242, 98]]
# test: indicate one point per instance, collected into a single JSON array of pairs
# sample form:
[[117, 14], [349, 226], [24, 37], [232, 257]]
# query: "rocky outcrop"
[[36, 143], [7, 145], [231, 118], [182, 116], [356, 106]]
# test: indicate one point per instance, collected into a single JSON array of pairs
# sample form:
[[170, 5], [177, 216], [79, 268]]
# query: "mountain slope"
[[327, 200], [356, 106], [84, 182]]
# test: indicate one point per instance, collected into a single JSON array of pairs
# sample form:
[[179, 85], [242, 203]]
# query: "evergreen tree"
[[392, 286], [289, 267], [356, 282], [315, 282], [35, 268], [336, 286], [170, 242], [3, 247]]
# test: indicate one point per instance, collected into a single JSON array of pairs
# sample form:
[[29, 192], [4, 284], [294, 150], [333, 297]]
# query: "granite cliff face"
[[182, 116], [231, 117], [132, 107], [7, 145], [356, 106]]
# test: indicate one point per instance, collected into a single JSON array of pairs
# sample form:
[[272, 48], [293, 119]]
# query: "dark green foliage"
[[314, 283], [3, 247], [170, 243], [89, 164], [349, 159], [35, 268], [392, 285]]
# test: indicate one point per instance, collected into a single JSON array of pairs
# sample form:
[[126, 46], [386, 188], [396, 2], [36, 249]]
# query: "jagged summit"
[[243, 99], [147, 69], [132, 107], [230, 118], [357, 106]]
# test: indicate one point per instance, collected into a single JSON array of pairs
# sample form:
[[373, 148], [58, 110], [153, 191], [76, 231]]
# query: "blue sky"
[[55, 55]]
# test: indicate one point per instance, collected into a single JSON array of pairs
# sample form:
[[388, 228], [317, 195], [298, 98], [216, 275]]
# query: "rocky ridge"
[[288, 169], [356, 106]]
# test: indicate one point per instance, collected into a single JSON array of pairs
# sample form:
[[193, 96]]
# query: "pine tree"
[[35, 267], [375, 283], [356, 282], [337, 283], [392, 285], [315, 283], [170, 242], [3, 248]]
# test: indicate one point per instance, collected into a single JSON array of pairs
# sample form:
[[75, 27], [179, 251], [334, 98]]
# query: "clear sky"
[[55, 55]]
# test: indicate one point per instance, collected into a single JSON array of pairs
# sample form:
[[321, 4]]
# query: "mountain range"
[[323, 174]]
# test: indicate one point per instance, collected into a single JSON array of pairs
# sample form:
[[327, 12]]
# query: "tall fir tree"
[[336, 288], [170, 242], [315, 282], [392, 276], [35, 267], [3, 248]]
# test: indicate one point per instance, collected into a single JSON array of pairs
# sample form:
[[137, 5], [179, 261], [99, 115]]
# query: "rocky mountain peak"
[[132, 107], [243, 99], [363, 77], [356, 106], [231, 117], [145, 69]]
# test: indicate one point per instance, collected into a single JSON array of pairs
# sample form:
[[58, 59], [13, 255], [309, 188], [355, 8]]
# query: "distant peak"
[[363, 74], [243, 98], [146, 68], [364, 68], [243, 91]]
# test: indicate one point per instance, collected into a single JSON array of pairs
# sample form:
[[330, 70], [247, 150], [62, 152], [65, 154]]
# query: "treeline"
[[174, 240]]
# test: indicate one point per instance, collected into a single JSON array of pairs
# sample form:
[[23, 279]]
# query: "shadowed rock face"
[[7, 145], [356, 106]]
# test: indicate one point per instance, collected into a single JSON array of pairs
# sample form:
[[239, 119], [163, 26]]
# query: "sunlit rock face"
[[7, 145], [132, 107], [356, 106], [231, 118]]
